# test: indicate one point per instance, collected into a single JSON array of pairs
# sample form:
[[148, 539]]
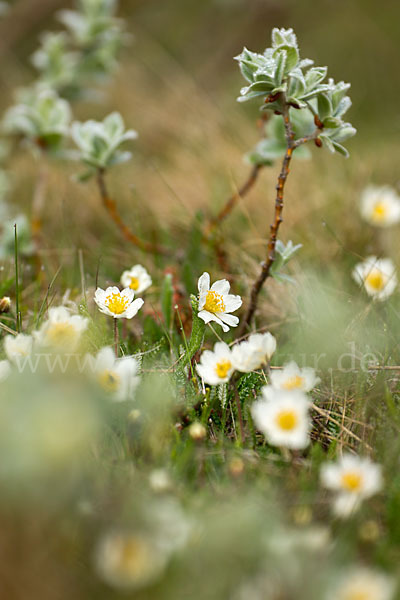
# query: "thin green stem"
[[17, 311]]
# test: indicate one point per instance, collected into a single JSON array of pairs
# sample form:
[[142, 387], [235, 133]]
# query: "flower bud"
[[5, 304], [197, 431]]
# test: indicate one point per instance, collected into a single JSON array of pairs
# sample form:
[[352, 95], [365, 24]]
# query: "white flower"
[[5, 369], [18, 346], [353, 478], [61, 331], [283, 418], [137, 278], [129, 560], [378, 277], [254, 352], [216, 366], [216, 302], [363, 584], [117, 376], [118, 304], [291, 377], [380, 206]]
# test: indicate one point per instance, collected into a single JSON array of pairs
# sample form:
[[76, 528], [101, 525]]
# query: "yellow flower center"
[[351, 481], [379, 212], [109, 380], [359, 591], [214, 302], [287, 420], [116, 303], [293, 383], [376, 280], [134, 284], [222, 368], [61, 334], [134, 558]]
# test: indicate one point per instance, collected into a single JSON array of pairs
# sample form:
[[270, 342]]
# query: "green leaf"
[[331, 122], [341, 149], [280, 68], [324, 106]]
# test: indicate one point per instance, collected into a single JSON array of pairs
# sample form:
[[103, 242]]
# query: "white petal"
[[133, 308], [222, 286], [232, 302], [204, 283]]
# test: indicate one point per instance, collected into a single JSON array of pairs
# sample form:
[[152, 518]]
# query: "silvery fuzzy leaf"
[[305, 63], [314, 77], [282, 277], [283, 254], [99, 141], [322, 88], [342, 107], [341, 149], [119, 158], [332, 123], [344, 133], [292, 57], [288, 251], [283, 37], [324, 106], [339, 91], [113, 126], [280, 67], [327, 142]]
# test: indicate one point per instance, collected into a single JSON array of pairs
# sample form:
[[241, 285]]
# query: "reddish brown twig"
[[231, 202], [291, 145], [112, 210]]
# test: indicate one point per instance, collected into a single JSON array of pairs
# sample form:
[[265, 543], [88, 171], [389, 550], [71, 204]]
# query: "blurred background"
[[177, 85]]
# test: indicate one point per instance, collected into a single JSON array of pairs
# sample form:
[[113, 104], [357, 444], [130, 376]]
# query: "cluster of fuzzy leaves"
[[281, 78], [272, 146], [99, 142], [283, 254], [40, 117], [86, 51]]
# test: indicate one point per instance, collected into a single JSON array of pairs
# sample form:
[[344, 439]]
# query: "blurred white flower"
[[354, 479], [291, 377], [129, 560], [137, 278], [197, 431], [253, 353], [380, 206], [283, 418], [160, 481], [216, 366], [117, 376], [5, 369], [377, 275], [363, 584], [116, 303], [18, 346], [62, 331], [216, 302]]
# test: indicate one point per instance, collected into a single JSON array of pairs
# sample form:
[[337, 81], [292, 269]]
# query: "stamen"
[[293, 383], [214, 302], [222, 368], [287, 420], [116, 303]]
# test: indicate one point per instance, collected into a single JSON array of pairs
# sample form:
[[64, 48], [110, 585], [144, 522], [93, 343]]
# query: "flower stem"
[[116, 337], [240, 416]]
